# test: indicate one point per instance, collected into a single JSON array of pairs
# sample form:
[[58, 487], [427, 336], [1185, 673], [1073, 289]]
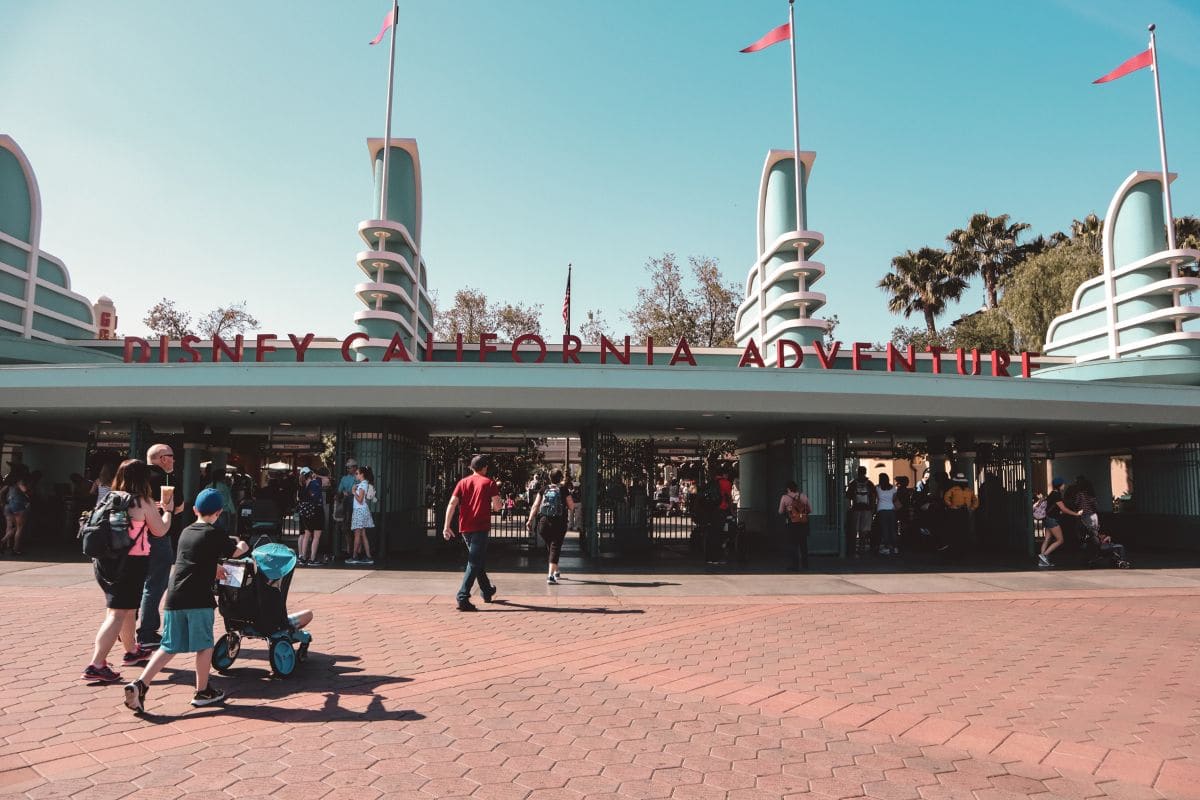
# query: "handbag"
[[797, 512]]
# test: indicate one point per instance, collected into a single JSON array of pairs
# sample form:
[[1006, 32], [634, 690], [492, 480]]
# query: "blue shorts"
[[1051, 522], [188, 630]]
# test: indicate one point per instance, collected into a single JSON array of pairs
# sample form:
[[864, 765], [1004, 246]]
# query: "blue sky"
[[215, 151]]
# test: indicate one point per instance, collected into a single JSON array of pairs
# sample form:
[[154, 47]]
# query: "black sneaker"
[[207, 697], [101, 674], [487, 596], [466, 605], [135, 696], [137, 658]]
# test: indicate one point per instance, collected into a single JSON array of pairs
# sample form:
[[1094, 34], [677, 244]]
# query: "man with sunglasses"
[[161, 458]]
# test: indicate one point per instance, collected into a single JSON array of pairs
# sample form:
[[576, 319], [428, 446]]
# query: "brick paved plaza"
[[1071, 685]]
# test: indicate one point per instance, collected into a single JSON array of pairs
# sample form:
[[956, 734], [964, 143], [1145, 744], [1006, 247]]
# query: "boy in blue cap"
[[188, 620]]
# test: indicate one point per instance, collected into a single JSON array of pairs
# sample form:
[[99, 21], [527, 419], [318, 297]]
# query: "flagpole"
[[387, 129], [795, 111], [1162, 144], [567, 304]]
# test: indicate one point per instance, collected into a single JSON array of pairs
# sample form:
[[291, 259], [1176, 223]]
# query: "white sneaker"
[[557, 575], [550, 579], [1042, 560]]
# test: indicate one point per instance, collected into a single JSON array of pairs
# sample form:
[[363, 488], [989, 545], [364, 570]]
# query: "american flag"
[[567, 303]]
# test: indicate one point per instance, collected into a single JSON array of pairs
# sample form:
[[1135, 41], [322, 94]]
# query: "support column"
[[590, 477], [140, 438], [219, 448], [188, 473]]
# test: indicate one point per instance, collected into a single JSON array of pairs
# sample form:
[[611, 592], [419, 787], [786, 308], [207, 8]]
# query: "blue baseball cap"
[[209, 502]]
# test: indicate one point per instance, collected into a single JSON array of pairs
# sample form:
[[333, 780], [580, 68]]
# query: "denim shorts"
[[187, 630]]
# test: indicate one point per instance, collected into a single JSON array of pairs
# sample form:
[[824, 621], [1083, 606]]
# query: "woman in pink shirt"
[[122, 578]]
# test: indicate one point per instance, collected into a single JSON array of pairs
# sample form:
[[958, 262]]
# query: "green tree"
[[472, 314], [714, 303], [1089, 232], [921, 338], [923, 282], [987, 247], [664, 310], [989, 329], [512, 319], [227, 320], [1187, 232], [594, 327], [165, 319], [1042, 287]]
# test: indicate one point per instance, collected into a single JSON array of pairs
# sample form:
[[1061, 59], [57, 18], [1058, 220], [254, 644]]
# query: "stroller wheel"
[[283, 657], [225, 652]]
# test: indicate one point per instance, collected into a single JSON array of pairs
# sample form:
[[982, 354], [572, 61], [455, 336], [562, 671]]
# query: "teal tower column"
[[779, 301], [395, 294]]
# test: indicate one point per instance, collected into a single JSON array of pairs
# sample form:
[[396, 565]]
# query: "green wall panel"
[[14, 256], [49, 271], [15, 207]]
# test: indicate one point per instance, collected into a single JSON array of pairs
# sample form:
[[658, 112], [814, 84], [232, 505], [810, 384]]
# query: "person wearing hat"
[[188, 618], [476, 497], [960, 501], [1056, 511]]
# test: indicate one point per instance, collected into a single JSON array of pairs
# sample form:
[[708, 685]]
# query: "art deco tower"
[[396, 293], [779, 303]]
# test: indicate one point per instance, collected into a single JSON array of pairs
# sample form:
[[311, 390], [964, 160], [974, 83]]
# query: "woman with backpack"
[[360, 517], [794, 507], [548, 516], [311, 507], [123, 576]]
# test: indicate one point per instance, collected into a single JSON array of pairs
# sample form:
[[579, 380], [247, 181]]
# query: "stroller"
[[1099, 549], [253, 602]]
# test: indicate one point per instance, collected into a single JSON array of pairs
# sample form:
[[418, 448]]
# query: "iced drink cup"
[[167, 493]]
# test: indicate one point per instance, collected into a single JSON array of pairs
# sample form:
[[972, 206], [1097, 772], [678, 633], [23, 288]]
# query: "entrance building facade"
[[788, 403]]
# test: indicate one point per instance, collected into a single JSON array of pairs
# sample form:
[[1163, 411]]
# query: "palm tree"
[[923, 282], [1090, 231], [987, 247]]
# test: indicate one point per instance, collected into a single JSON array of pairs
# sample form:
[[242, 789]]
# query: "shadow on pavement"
[[317, 674], [519, 607], [621, 584]]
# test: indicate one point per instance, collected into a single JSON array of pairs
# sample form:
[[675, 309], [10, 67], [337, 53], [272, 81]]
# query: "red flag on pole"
[[388, 22], [1140, 61], [774, 37]]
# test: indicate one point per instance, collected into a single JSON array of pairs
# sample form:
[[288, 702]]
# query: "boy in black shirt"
[[188, 620]]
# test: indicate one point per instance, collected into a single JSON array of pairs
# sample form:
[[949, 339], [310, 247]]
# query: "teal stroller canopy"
[[274, 560]]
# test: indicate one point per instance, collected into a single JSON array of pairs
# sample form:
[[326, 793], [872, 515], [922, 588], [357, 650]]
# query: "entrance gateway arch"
[[796, 406]]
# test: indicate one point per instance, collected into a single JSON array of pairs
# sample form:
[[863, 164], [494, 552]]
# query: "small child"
[[188, 620]]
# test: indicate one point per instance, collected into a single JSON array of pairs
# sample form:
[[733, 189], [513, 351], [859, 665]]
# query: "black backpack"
[[104, 534], [552, 502]]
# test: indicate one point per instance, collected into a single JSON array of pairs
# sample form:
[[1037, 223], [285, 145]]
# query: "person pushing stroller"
[[188, 620]]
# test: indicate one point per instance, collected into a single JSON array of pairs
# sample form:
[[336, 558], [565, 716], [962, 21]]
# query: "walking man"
[[475, 497], [161, 458]]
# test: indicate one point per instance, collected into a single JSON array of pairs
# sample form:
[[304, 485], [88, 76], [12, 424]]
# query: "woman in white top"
[[360, 517], [885, 492]]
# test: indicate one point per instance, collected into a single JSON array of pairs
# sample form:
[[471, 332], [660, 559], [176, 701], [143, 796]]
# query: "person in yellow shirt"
[[960, 501]]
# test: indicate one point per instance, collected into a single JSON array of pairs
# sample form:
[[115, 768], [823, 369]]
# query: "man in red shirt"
[[475, 498]]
